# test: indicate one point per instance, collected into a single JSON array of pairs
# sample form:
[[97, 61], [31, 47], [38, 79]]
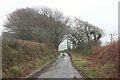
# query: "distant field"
[[63, 45]]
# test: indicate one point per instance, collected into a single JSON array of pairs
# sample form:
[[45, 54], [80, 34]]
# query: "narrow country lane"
[[62, 68]]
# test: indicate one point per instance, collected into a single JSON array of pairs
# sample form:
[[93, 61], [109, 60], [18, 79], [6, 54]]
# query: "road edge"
[[33, 74], [84, 76]]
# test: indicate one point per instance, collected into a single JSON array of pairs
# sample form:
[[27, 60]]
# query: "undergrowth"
[[101, 63], [92, 69], [20, 58]]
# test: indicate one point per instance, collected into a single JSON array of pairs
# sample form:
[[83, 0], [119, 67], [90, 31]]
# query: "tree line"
[[51, 27]]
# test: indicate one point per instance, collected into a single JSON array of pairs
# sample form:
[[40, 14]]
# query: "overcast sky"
[[101, 13]]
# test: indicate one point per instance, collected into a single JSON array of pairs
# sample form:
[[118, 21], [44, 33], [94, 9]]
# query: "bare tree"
[[44, 25], [84, 34], [60, 26], [20, 22]]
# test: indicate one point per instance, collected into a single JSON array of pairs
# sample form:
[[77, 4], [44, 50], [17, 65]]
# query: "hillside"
[[20, 58]]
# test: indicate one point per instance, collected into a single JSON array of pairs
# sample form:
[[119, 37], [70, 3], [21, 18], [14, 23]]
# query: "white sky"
[[102, 13]]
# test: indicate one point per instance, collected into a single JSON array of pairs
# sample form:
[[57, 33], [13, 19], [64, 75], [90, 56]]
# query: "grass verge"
[[93, 69]]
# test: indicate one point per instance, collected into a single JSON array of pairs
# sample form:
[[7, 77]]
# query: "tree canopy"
[[84, 34], [50, 26], [43, 25]]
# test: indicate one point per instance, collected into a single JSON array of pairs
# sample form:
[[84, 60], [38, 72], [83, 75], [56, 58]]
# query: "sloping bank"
[[20, 58], [101, 63]]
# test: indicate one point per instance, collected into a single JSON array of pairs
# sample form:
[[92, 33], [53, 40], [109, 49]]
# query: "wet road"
[[62, 68]]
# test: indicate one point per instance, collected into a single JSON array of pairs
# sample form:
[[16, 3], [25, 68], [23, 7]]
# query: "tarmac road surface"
[[62, 68]]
